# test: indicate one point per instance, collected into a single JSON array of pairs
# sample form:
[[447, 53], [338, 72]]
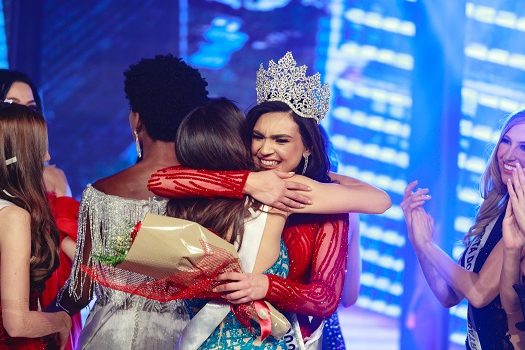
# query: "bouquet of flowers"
[[168, 259]]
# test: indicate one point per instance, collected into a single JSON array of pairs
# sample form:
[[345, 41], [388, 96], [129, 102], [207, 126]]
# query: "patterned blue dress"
[[230, 334], [332, 336]]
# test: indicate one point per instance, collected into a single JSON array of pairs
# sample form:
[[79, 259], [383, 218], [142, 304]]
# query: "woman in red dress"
[[28, 235], [284, 136]]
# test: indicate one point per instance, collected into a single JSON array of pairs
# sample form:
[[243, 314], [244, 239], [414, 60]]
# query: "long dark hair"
[[318, 162], [210, 138], [8, 77], [23, 135]]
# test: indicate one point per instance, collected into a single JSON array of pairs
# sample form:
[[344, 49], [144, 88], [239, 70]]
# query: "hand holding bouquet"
[[172, 259]]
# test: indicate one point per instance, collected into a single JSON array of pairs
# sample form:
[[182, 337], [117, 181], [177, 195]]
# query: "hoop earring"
[[137, 144], [305, 163]]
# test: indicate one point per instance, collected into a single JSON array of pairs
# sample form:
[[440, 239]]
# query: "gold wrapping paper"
[[165, 246]]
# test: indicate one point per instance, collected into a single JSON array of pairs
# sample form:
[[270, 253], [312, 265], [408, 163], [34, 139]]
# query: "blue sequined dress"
[[230, 334], [332, 335]]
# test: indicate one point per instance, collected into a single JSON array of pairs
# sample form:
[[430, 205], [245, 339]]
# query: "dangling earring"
[[137, 144], [305, 163]]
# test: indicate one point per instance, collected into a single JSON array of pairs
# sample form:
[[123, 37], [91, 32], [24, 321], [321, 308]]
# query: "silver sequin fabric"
[[119, 320]]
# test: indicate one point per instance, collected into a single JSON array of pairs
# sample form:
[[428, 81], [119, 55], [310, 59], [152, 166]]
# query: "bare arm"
[[350, 196], [514, 242], [412, 201], [439, 269], [345, 195], [446, 295], [56, 181], [283, 191], [68, 246], [377, 198], [353, 264], [15, 252]]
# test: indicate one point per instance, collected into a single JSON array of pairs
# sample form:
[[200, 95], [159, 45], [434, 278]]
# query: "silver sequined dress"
[[118, 320]]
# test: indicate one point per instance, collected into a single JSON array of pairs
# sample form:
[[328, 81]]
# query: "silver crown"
[[284, 81]]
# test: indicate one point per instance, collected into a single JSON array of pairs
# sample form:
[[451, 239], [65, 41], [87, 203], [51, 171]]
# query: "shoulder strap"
[[4, 203]]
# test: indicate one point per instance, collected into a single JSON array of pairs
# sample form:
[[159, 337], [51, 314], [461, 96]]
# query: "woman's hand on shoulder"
[[274, 188], [242, 287]]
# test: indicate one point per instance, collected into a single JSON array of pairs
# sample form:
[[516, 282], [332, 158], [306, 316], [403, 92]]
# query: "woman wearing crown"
[[284, 135]]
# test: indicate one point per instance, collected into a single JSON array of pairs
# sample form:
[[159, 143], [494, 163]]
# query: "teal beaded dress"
[[231, 334]]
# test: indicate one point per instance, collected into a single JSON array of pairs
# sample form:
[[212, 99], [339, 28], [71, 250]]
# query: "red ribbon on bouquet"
[[171, 259]]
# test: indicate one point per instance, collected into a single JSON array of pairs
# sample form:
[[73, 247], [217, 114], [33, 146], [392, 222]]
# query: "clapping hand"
[[513, 237], [411, 201], [422, 227], [516, 188]]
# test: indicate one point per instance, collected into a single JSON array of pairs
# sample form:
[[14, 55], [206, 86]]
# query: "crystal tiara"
[[286, 82]]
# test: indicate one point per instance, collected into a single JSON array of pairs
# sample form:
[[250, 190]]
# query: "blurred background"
[[419, 88]]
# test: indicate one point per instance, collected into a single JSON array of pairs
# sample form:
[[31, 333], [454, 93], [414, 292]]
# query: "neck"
[[159, 152]]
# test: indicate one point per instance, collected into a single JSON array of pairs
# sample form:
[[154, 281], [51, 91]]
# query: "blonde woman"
[[478, 275]]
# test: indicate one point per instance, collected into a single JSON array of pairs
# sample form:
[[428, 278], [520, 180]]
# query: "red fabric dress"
[[65, 212], [317, 244]]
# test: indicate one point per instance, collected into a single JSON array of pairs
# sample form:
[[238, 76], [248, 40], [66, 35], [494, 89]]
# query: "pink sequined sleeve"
[[321, 294], [181, 182]]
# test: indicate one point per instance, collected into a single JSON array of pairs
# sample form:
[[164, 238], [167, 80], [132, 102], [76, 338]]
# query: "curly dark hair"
[[162, 90]]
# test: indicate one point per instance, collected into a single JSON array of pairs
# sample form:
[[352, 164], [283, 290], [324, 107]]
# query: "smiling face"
[[22, 94], [277, 142], [511, 151]]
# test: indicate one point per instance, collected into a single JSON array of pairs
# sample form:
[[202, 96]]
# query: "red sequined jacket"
[[317, 244]]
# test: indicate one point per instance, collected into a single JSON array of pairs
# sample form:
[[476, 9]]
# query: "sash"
[[294, 339], [204, 323], [471, 255]]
